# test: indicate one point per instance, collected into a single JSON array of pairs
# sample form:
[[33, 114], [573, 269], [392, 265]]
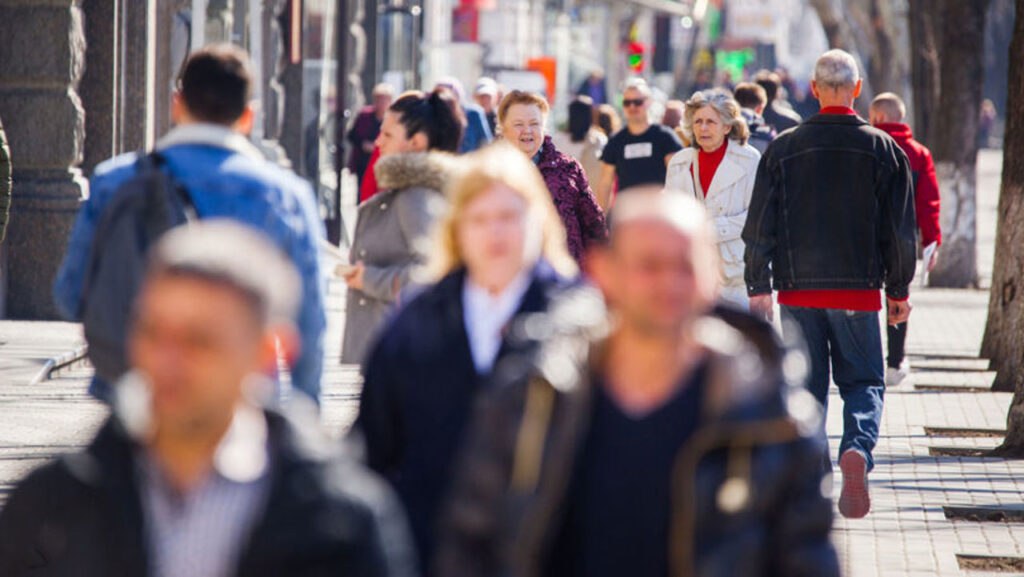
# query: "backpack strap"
[[155, 160]]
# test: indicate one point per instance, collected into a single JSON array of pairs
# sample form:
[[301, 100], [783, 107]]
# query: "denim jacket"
[[226, 177], [832, 208]]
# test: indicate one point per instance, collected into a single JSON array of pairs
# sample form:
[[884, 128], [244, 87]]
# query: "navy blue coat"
[[419, 388]]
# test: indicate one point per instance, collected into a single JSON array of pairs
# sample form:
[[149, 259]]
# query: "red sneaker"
[[854, 501]]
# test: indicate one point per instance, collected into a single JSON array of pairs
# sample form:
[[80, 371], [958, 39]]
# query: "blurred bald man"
[[667, 446]]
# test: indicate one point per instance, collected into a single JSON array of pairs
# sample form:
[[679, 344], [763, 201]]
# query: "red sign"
[[465, 24], [479, 4]]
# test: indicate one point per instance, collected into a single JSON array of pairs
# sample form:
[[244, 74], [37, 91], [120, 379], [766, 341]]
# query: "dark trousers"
[[847, 344], [897, 344]]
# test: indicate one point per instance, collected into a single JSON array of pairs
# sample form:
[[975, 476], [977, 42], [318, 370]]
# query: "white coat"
[[727, 202]]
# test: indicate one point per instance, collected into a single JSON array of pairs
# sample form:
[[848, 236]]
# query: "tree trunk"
[[1004, 332], [884, 70], [956, 140], [864, 28], [837, 31], [925, 30]]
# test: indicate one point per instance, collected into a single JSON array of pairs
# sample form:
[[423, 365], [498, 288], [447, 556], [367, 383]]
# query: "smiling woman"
[[522, 117]]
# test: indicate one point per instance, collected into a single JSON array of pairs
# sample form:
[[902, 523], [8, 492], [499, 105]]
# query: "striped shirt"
[[201, 533]]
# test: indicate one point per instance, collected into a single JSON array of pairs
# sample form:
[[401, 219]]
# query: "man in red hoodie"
[[886, 113]]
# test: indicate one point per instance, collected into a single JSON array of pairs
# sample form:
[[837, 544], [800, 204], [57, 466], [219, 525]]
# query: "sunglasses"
[[633, 102]]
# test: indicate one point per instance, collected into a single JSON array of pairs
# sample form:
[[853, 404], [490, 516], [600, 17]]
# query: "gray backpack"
[[141, 210]]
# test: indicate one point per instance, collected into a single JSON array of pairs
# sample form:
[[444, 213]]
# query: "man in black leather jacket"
[[673, 445], [831, 222]]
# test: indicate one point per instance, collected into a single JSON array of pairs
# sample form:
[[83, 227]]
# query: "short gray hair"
[[227, 253], [638, 84], [836, 69], [727, 108]]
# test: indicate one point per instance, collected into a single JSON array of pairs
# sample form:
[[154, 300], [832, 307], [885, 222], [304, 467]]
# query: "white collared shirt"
[[203, 532], [486, 315]]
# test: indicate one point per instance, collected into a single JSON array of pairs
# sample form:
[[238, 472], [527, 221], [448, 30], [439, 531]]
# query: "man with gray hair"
[[832, 222], [192, 475]]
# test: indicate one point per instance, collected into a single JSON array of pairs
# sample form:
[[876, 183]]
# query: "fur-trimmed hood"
[[414, 170]]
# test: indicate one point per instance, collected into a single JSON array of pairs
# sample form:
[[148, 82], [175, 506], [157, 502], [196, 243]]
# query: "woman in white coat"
[[719, 170]]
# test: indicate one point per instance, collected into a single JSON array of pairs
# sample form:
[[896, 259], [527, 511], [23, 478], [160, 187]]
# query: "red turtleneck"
[[709, 162]]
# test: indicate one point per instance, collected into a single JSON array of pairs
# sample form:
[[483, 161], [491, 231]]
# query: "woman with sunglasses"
[[638, 154], [719, 170]]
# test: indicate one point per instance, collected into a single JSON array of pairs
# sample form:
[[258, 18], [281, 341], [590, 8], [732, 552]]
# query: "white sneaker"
[[894, 377]]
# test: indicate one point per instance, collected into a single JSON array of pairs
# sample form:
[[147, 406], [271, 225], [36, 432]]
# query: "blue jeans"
[[852, 341]]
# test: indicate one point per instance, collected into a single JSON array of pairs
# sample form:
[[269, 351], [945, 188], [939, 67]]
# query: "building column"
[[290, 22], [101, 83], [45, 126]]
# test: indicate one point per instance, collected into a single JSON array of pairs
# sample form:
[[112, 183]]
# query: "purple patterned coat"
[[582, 216]]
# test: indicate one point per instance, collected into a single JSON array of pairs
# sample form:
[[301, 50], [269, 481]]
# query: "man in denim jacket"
[[226, 177], [831, 222]]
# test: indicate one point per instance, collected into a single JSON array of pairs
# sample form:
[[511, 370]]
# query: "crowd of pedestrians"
[[566, 342]]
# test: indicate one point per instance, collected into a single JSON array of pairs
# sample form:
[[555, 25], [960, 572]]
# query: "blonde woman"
[[719, 170], [501, 252]]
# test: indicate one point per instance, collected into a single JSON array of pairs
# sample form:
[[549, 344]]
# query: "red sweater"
[[926, 185], [708, 163], [854, 300]]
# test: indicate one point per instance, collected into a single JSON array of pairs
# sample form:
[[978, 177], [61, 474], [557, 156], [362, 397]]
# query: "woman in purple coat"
[[522, 117]]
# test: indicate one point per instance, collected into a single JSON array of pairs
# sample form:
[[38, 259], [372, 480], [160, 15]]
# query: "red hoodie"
[[926, 185]]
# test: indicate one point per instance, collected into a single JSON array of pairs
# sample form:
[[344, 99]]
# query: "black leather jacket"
[[747, 496], [832, 208]]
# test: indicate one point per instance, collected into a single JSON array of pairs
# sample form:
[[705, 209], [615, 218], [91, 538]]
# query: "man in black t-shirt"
[[639, 153], [665, 447]]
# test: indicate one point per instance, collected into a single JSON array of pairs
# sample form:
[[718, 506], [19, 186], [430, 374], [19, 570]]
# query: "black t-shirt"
[[640, 158], [618, 508]]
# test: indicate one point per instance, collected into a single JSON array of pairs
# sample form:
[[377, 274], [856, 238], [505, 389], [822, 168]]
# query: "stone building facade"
[[83, 80]]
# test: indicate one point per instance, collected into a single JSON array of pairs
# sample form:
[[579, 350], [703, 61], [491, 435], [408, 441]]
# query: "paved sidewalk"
[[907, 532]]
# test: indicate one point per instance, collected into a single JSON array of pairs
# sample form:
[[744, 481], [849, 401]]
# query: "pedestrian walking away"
[[639, 153], [643, 447], [419, 133], [886, 113], [752, 100], [523, 117], [778, 113], [224, 176], [501, 256], [831, 222], [718, 170], [192, 474], [583, 140]]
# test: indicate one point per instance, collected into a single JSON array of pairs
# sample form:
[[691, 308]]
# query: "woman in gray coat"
[[393, 227]]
